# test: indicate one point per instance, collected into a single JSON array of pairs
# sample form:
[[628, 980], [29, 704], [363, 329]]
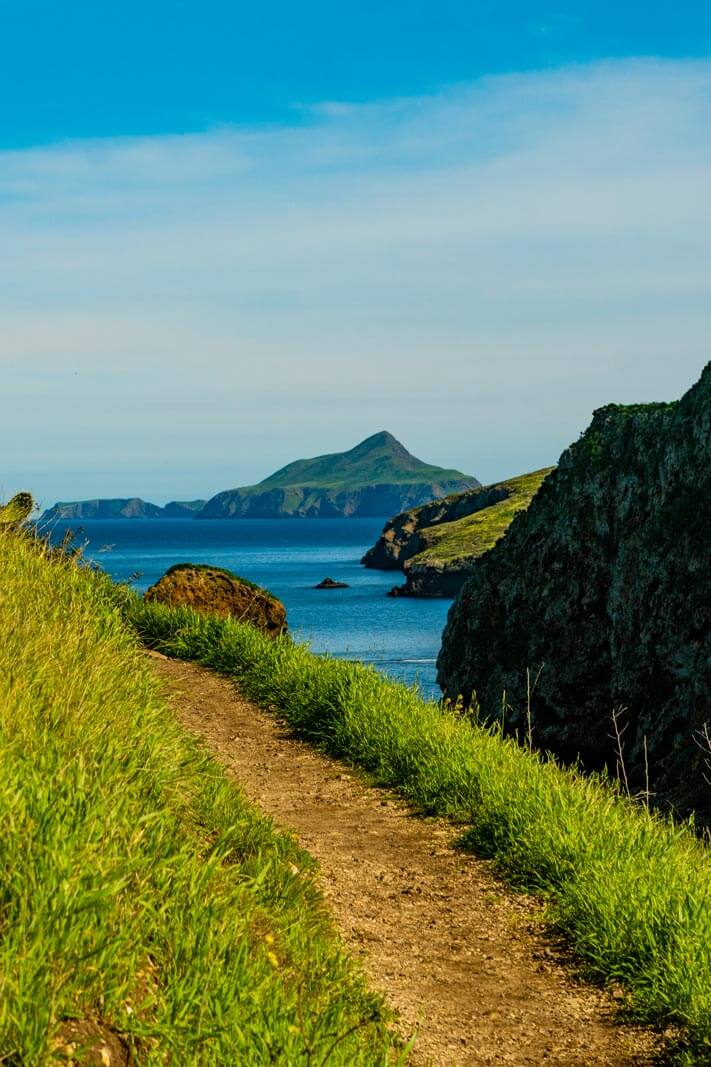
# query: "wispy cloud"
[[474, 270]]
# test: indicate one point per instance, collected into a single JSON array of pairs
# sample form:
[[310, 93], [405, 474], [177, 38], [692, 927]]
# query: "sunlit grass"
[[138, 888], [472, 536], [631, 890]]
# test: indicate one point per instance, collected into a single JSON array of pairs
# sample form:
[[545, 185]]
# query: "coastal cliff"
[[437, 545], [377, 477], [602, 591]]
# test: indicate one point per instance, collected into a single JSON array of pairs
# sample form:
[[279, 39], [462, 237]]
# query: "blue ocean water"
[[400, 636]]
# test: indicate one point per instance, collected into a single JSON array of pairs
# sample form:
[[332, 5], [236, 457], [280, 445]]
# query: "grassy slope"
[[379, 459], [137, 886], [470, 537], [631, 891]]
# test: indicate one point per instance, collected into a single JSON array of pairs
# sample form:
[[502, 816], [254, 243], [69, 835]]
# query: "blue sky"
[[233, 235], [120, 67]]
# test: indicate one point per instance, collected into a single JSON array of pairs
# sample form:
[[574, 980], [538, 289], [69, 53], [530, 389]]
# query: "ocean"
[[400, 636]]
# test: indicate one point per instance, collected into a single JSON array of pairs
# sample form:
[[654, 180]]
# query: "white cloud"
[[474, 270]]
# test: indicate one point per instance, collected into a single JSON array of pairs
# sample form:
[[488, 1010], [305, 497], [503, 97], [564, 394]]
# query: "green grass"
[[16, 510], [471, 536], [138, 887], [631, 891], [377, 460]]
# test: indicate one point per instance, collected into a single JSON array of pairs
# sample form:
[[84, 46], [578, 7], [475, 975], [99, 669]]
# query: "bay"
[[399, 636]]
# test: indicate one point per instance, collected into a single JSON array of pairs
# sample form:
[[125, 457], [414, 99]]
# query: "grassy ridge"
[[376, 460], [631, 891], [471, 536], [138, 888]]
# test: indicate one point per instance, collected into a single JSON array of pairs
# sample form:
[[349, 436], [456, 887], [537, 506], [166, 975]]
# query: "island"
[[121, 508], [377, 477]]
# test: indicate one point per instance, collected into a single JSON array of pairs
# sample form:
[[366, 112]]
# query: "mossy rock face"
[[217, 591], [16, 510], [604, 585]]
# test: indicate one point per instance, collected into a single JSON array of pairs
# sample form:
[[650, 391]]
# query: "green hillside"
[[377, 477], [471, 536], [377, 460]]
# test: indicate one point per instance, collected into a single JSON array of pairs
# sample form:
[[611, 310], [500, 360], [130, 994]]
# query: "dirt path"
[[452, 950]]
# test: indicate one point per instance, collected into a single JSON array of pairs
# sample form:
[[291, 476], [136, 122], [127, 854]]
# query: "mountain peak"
[[376, 440], [382, 442], [376, 477]]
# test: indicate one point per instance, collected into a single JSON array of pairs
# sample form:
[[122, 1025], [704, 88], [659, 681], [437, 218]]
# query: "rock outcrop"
[[604, 586], [219, 592], [438, 544], [377, 477]]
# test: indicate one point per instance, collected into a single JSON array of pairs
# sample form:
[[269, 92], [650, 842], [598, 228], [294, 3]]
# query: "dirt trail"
[[452, 950]]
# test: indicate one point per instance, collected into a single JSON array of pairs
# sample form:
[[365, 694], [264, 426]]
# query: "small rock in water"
[[328, 583]]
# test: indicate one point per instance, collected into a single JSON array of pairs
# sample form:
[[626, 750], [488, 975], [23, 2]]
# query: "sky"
[[236, 235]]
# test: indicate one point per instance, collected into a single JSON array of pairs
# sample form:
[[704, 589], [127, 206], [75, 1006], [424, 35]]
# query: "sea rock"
[[328, 583], [604, 587], [220, 592]]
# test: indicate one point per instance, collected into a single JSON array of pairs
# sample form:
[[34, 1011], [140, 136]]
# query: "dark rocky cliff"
[[604, 585]]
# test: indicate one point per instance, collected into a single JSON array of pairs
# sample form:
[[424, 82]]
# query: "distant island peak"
[[377, 477]]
